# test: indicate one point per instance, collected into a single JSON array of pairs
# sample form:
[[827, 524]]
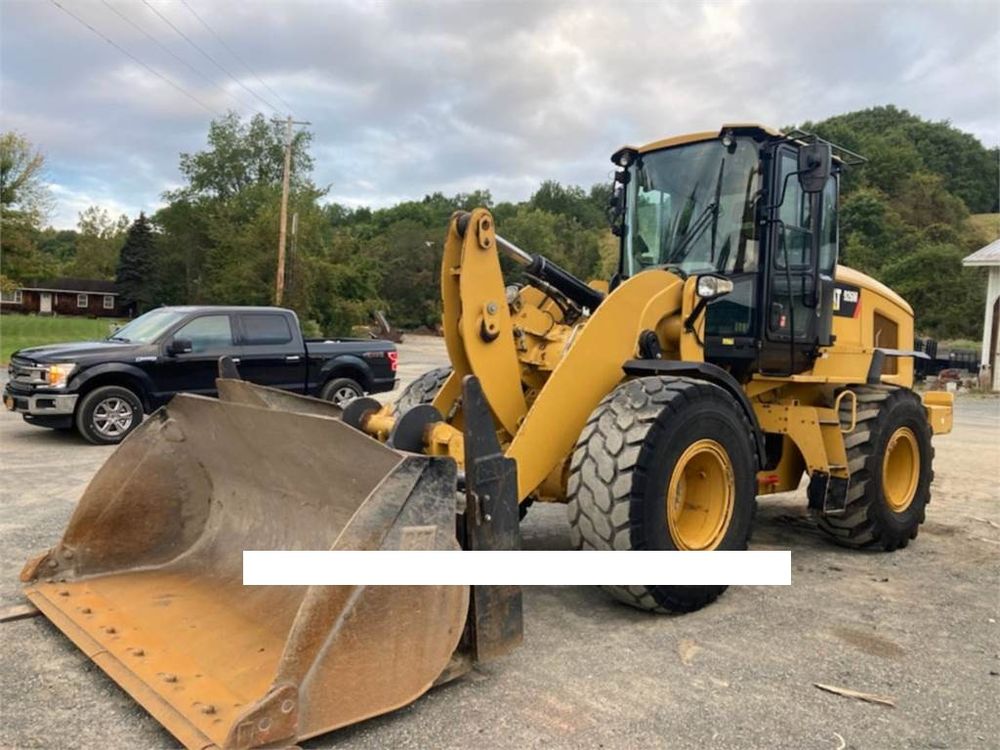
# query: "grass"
[[20, 331], [987, 225]]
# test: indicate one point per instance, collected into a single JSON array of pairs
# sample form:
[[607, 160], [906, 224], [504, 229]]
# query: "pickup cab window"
[[207, 333], [264, 329]]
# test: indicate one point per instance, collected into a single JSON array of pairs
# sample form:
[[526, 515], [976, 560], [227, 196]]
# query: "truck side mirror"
[[815, 161], [180, 346]]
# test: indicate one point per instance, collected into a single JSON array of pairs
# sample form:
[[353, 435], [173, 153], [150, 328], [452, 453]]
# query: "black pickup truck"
[[102, 388]]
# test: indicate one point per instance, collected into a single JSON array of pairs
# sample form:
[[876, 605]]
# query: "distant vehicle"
[[102, 388]]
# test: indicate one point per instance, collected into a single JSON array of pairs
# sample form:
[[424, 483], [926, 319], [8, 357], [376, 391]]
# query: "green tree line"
[[904, 219]]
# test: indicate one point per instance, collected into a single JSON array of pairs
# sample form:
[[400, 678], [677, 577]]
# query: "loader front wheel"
[[422, 390], [889, 456], [664, 464]]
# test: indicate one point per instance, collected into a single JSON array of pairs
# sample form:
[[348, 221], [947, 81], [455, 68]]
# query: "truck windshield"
[[691, 207], [147, 328]]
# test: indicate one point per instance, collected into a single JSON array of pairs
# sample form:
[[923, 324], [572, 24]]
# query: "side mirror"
[[815, 160], [616, 206], [180, 346]]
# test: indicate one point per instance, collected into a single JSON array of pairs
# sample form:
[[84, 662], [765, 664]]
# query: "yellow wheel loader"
[[728, 356]]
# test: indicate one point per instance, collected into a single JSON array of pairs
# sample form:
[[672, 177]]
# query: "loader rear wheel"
[[664, 464], [422, 390], [889, 456]]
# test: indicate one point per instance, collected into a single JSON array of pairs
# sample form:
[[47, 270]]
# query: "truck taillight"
[[393, 360]]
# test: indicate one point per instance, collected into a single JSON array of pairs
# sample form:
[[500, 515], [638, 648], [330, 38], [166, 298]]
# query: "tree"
[[946, 296], [243, 155], [22, 186], [135, 275], [99, 241], [24, 203]]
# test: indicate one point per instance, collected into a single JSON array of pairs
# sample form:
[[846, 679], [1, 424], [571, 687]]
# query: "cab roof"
[[840, 154], [706, 135]]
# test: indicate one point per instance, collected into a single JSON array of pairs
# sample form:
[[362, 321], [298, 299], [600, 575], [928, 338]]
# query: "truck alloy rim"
[[113, 417], [900, 469], [343, 395], [701, 496]]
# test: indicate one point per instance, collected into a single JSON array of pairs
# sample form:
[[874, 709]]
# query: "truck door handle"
[[292, 358], [235, 360]]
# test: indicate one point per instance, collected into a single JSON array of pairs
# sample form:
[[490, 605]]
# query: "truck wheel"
[[106, 415], [889, 456], [341, 390], [664, 464], [421, 391]]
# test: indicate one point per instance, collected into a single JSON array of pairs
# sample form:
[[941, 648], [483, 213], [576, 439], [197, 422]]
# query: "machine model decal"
[[846, 300]]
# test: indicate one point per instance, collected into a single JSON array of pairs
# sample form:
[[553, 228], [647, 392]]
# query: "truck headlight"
[[58, 375]]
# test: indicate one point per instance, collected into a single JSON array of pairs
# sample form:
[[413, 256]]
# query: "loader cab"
[[755, 206]]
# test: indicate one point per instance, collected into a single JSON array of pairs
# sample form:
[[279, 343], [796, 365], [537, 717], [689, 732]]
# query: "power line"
[[135, 59], [232, 52], [173, 54], [210, 58]]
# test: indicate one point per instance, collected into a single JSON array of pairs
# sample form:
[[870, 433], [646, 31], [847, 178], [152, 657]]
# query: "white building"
[[989, 257]]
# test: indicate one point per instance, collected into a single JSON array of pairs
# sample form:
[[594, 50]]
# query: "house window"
[[109, 302], [13, 297], [81, 300]]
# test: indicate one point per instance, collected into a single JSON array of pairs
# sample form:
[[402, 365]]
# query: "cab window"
[[207, 333], [828, 239], [265, 329], [795, 214]]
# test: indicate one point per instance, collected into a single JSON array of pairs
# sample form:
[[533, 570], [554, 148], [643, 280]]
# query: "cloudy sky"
[[408, 98]]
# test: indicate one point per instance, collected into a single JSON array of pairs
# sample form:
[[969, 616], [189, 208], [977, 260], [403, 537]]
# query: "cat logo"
[[845, 300]]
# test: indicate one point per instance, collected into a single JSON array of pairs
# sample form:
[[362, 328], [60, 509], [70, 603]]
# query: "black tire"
[[341, 391], [422, 390], [869, 520], [623, 465], [106, 415]]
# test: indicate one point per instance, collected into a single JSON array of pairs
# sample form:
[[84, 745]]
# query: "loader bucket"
[[147, 579]]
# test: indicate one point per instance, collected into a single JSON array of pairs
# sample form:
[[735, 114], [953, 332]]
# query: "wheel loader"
[[728, 356]]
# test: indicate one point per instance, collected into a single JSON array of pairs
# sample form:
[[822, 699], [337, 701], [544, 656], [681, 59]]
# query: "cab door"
[[194, 371], [792, 289], [270, 352]]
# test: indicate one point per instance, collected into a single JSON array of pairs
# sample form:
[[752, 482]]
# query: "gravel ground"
[[919, 625]]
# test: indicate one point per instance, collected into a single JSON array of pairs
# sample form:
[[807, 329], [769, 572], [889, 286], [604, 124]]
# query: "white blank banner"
[[524, 568]]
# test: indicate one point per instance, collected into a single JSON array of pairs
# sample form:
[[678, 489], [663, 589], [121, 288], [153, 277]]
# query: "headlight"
[[59, 374], [710, 287]]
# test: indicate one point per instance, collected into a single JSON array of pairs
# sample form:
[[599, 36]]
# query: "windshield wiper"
[[715, 216], [677, 254], [712, 209], [118, 338]]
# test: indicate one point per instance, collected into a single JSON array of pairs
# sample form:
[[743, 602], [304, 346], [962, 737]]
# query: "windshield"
[[148, 327], [691, 207]]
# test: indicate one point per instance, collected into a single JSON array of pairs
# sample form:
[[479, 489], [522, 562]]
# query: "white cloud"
[[408, 98]]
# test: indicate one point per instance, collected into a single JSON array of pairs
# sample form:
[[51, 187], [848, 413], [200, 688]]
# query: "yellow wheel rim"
[[900, 469], [701, 496]]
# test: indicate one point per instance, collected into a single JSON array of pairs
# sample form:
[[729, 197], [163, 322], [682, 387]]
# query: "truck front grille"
[[26, 372]]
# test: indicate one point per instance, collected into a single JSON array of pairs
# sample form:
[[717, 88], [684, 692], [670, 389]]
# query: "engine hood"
[[83, 351]]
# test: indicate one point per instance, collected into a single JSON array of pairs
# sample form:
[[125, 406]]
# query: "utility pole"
[[279, 281]]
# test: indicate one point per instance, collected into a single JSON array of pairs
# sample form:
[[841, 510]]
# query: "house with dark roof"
[[93, 298]]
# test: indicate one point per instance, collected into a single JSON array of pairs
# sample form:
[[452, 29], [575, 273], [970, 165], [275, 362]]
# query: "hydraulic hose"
[[542, 268]]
